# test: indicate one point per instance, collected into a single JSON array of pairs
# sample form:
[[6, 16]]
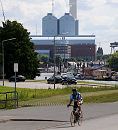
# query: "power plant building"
[[67, 25], [82, 47], [49, 25], [62, 36]]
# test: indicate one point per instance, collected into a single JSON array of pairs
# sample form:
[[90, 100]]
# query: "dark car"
[[58, 79], [69, 80], [19, 78]]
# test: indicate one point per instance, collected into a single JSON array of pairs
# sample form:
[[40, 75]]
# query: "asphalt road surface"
[[103, 123], [96, 117]]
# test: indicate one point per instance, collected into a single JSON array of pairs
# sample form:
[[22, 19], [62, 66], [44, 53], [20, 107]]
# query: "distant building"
[[49, 25], [67, 25], [63, 50], [68, 41], [72, 46], [113, 46]]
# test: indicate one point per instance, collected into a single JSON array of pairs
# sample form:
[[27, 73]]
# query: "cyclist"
[[77, 98]]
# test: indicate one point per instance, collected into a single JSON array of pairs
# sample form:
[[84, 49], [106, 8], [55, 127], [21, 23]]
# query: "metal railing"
[[8, 99]]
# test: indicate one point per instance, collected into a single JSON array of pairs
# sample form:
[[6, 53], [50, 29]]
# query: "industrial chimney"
[[73, 8]]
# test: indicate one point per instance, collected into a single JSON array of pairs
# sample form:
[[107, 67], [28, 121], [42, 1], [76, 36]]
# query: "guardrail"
[[8, 99]]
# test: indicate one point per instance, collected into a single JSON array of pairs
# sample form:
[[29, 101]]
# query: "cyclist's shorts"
[[76, 103]]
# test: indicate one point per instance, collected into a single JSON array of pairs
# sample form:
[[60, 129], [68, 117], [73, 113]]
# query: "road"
[[41, 85], [103, 82], [103, 123], [43, 75], [31, 85], [57, 117]]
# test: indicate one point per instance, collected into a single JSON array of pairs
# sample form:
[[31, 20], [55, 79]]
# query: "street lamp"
[[55, 55], [54, 59], [3, 56]]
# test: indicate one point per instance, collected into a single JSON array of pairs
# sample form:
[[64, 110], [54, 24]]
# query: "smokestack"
[[73, 8]]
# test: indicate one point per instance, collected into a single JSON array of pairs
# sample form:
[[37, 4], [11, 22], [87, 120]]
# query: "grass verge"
[[39, 97], [89, 97]]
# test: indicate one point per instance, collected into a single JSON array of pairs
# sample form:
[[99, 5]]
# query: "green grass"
[[34, 97], [102, 97], [89, 97], [26, 94]]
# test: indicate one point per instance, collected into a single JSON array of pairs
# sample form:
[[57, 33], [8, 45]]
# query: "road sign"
[[15, 67]]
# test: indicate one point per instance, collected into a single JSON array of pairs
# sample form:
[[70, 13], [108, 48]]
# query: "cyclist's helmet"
[[74, 90]]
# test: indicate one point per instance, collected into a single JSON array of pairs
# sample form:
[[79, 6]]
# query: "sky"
[[99, 17]]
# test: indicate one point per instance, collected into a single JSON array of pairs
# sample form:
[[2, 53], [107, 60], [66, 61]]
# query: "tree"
[[99, 53], [113, 61], [58, 62], [19, 51], [45, 59]]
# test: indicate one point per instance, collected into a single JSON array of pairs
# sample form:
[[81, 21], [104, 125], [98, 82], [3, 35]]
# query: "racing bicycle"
[[76, 117]]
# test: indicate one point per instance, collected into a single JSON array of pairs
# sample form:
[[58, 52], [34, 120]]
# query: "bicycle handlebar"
[[71, 105]]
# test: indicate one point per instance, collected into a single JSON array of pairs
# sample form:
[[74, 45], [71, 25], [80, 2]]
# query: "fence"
[[8, 99]]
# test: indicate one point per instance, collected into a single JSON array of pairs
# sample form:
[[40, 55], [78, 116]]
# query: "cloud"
[[99, 17]]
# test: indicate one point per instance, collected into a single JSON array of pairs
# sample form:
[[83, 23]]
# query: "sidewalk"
[[40, 118], [33, 118], [4, 119]]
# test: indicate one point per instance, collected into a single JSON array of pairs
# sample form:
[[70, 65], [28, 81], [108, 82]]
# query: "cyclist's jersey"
[[76, 97]]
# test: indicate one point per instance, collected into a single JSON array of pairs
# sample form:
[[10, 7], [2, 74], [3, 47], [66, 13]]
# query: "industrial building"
[[62, 37]]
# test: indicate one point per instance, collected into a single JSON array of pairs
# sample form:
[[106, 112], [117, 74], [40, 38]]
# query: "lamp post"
[[3, 56], [63, 38], [54, 59], [64, 48], [55, 56]]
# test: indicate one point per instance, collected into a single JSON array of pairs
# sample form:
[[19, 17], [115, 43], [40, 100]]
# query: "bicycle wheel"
[[80, 119], [72, 119]]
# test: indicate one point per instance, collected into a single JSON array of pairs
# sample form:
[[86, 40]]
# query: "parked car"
[[69, 80], [80, 76], [115, 76], [58, 79], [64, 75], [19, 78]]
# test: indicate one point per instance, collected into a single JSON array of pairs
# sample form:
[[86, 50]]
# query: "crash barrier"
[[8, 99]]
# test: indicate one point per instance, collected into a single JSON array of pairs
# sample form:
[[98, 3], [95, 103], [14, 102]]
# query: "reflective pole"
[[15, 90]]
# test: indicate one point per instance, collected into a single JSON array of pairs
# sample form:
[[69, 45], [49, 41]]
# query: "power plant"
[[63, 35]]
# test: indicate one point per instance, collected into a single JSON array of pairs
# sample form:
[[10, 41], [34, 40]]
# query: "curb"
[[4, 121]]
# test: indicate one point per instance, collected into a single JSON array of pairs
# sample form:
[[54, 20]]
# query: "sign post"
[[15, 70]]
